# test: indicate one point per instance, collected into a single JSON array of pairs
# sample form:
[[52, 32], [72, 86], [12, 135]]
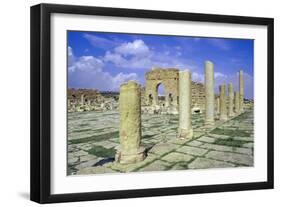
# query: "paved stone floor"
[[93, 137]]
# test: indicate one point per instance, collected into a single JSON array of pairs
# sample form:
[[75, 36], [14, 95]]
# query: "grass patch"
[[100, 151], [148, 136], [230, 142], [241, 116], [155, 126], [230, 132], [97, 138], [82, 130], [93, 120]]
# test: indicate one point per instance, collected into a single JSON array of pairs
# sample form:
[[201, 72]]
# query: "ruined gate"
[[169, 78]]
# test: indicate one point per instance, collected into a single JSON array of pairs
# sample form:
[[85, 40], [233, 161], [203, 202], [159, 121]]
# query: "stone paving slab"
[[132, 167], [249, 145], [206, 139], [217, 147], [203, 163], [177, 157], [163, 148], [231, 157], [218, 136], [95, 170], [93, 139], [158, 165], [192, 150], [88, 163], [194, 143]]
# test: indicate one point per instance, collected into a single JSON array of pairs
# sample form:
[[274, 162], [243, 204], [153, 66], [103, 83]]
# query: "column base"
[[209, 122], [185, 133], [173, 110], [129, 157], [237, 113], [223, 117]]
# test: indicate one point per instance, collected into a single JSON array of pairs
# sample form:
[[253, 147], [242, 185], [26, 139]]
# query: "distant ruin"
[[79, 100], [169, 78], [152, 102]]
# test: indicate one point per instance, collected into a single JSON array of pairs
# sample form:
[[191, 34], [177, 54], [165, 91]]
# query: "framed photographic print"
[[132, 103]]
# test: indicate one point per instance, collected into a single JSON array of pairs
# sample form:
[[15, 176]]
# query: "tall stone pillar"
[[209, 93], [223, 111], [230, 100], [82, 99], [185, 127], [130, 124], [236, 102], [155, 98], [241, 91], [218, 105]]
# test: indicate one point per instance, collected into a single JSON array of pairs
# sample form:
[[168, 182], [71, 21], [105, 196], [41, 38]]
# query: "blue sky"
[[105, 60]]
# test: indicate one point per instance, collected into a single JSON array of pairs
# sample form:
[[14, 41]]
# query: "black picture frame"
[[41, 99]]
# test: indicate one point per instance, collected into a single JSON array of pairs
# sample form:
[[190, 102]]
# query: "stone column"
[[236, 102], [210, 93], [155, 97], [230, 100], [185, 127], [223, 111], [130, 124], [82, 99], [241, 91], [218, 105]]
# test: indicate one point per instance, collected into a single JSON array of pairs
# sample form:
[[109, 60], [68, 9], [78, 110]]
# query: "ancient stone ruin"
[[130, 124], [178, 94], [169, 78], [185, 127], [209, 93], [203, 130], [79, 100]]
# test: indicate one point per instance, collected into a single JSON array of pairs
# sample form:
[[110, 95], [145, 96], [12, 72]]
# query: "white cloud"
[[133, 55], [121, 78], [115, 58], [197, 77], [100, 42], [88, 72], [137, 55], [86, 63], [71, 57], [137, 47], [219, 75]]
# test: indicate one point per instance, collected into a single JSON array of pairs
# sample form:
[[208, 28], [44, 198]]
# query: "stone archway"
[[160, 89], [169, 78]]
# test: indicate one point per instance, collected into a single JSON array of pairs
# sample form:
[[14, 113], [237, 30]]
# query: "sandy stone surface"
[[94, 137]]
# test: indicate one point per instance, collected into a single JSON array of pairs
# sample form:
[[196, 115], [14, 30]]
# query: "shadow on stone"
[[104, 161]]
